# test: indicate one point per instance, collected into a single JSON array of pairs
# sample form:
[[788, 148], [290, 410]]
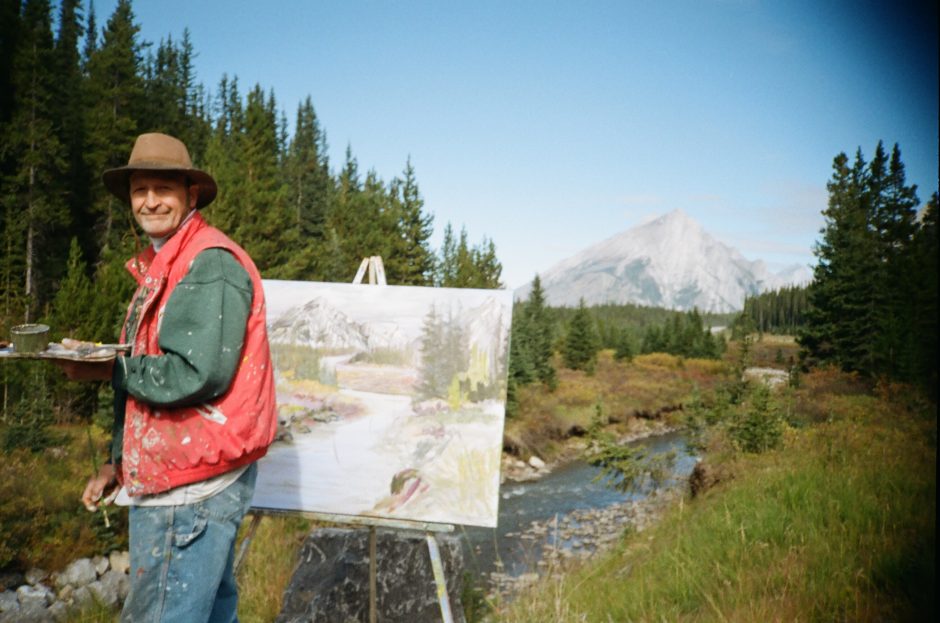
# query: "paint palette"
[[71, 350]]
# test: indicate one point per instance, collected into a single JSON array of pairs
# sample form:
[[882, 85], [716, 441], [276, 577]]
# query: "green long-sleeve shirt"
[[201, 336]]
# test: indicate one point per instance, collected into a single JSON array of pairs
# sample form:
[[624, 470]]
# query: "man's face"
[[160, 201]]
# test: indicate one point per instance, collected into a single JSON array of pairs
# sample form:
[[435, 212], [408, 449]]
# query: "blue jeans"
[[182, 558]]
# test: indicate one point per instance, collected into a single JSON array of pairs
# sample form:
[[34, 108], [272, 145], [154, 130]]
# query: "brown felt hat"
[[159, 152]]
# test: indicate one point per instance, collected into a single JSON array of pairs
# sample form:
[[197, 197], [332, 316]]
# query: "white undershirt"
[[185, 494]]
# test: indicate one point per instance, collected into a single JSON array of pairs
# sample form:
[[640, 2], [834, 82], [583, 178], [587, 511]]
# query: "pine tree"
[[841, 299], [263, 226], [894, 219], [73, 299], [447, 264], [860, 315], [581, 343], [924, 301], [75, 184], [541, 335], [411, 262], [623, 350], [114, 106], [32, 205], [461, 266], [309, 188]]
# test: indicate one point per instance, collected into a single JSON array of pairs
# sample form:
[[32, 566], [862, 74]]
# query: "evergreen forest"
[[873, 301]]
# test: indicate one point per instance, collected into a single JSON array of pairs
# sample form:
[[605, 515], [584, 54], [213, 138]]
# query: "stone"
[[120, 561], [34, 596], [59, 611], [105, 594], [36, 615], [65, 593], [536, 463], [116, 583], [83, 597], [101, 564], [35, 576], [8, 602], [80, 573], [331, 581]]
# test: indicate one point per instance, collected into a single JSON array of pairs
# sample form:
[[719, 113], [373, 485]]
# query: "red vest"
[[168, 447]]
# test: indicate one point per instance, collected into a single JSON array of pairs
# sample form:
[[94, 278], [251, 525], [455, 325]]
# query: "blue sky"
[[549, 126]]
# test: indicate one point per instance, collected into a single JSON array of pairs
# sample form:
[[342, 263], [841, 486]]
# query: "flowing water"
[[565, 490]]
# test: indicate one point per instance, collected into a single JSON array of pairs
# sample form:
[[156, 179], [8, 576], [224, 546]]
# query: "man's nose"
[[151, 200]]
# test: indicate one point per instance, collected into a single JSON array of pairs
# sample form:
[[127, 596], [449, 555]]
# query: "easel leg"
[[243, 549], [373, 564], [439, 579]]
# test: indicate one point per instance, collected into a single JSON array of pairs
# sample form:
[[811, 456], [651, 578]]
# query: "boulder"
[[79, 573], [331, 581], [32, 613], [536, 463], [34, 596], [101, 564], [8, 602], [83, 597], [35, 576], [59, 611], [106, 594], [703, 478], [120, 561]]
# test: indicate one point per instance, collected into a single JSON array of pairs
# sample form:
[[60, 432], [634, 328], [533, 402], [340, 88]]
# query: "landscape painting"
[[391, 401]]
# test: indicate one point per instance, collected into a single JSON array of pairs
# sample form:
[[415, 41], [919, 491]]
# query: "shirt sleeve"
[[201, 336]]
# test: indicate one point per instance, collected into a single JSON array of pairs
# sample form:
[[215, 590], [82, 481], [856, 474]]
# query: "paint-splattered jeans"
[[182, 558]]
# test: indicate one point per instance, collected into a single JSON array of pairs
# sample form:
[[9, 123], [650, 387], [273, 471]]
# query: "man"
[[194, 400]]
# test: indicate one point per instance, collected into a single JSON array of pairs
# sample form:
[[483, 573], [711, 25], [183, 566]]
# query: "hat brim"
[[117, 181]]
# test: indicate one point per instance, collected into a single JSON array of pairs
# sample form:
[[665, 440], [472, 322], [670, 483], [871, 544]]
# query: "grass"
[[838, 525], [42, 521], [268, 564]]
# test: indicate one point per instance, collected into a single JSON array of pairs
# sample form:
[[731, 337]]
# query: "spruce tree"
[[581, 343], [32, 203], [541, 335], [411, 262], [841, 299], [114, 108]]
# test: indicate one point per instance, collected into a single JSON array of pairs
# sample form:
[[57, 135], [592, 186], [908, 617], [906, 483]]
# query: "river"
[[566, 493]]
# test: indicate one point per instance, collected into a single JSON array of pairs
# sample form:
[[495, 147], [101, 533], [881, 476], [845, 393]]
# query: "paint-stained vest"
[[168, 447]]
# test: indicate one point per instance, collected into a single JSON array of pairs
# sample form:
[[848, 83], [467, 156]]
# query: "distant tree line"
[[544, 337], [776, 311], [72, 103], [873, 301]]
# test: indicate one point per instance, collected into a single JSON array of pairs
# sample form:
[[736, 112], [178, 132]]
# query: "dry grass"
[[651, 386], [268, 565]]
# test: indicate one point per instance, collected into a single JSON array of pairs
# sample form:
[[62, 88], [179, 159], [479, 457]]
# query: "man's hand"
[[85, 370], [97, 485]]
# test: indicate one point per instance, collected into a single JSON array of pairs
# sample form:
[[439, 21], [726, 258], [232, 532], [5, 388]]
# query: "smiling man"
[[194, 401]]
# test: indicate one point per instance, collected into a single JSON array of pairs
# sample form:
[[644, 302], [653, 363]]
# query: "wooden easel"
[[376, 271]]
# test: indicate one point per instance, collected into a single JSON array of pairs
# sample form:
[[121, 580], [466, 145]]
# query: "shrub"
[[757, 426]]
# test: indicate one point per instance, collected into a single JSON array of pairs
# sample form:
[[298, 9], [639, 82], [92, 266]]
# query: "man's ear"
[[193, 195]]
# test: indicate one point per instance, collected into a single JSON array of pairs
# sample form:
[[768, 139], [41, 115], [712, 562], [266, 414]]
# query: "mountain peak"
[[670, 261]]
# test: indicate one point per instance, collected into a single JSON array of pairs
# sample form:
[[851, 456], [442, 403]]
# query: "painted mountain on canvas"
[[669, 262]]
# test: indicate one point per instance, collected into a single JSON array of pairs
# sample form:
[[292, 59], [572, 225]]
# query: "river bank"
[[563, 510], [514, 469]]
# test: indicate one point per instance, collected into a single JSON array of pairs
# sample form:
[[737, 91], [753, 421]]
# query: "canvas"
[[391, 401]]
